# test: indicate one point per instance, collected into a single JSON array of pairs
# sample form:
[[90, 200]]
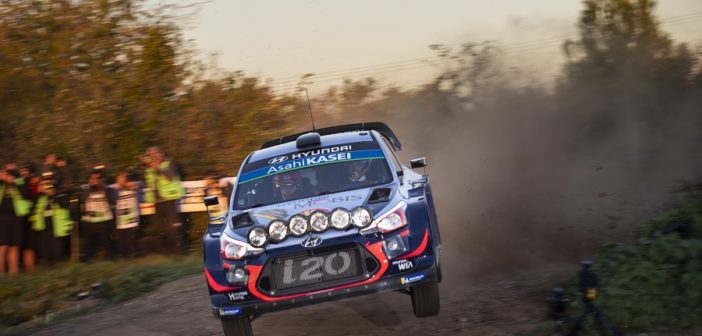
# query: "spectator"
[[14, 206], [51, 225], [126, 197], [96, 218], [49, 163], [64, 177], [164, 190]]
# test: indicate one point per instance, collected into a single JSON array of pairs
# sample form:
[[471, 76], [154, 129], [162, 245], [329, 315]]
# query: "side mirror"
[[211, 200], [418, 163]]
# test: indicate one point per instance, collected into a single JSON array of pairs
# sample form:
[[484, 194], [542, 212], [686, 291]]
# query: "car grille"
[[316, 269]]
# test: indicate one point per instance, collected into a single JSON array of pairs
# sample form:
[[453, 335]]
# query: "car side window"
[[395, 162]]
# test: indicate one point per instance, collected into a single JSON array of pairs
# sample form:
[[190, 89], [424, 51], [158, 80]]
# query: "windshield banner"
[[311, 158]]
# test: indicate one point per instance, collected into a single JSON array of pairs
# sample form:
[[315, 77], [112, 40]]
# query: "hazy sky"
[[285, 38]]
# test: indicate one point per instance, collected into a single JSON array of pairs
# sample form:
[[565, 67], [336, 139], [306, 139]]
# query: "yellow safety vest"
[[22, 206], [60, 217], [168, 190]]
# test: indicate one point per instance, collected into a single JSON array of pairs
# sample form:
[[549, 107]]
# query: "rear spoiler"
[[379, 127]]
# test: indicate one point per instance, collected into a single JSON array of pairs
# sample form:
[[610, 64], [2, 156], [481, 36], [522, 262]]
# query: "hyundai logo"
[[278, 159], [312, 241]]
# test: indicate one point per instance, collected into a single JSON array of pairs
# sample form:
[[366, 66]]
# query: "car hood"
[[349, 200]]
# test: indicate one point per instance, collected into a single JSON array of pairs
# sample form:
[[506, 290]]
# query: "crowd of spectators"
[[46, 218]]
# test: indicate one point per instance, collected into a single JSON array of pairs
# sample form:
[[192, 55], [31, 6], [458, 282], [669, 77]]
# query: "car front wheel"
[[237, 327], [425, 299]]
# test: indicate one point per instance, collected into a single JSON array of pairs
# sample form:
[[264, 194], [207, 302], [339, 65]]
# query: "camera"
[[47, 176], [99, 169]]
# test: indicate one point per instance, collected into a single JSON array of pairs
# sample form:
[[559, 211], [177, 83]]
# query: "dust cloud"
[[527, 175]]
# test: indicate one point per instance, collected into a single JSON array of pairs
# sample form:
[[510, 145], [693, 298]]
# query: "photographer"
[[51, 224], [96, 217], [164, 189], [14, 206]]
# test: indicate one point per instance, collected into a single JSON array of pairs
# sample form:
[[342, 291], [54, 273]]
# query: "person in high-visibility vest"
[[163, 188], [125, 193], [51, 223], [14, 206], [96, 218]]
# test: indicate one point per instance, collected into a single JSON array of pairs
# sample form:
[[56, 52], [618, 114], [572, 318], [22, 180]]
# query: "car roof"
[[326, 141]]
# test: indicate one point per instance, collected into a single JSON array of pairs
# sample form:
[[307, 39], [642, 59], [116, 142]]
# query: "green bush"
[[689, 211], [656, 281], [653, 283]]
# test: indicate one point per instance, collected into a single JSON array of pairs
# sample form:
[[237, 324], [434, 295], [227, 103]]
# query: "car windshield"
[[311, 173]]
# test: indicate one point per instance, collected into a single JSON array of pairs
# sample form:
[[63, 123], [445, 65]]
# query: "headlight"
[[361, 217], [319, 221], [340, 219], [257, 237], [390, 221], [298, 225], [231, 248], [237, 276], [277, 231]]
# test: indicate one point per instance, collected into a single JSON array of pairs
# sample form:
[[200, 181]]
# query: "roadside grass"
[[51, 293], [653, 284]]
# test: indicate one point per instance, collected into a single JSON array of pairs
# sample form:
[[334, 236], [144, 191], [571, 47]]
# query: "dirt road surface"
[[497, 305]]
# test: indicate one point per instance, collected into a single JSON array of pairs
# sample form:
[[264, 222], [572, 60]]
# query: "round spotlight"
[[278, 231], [298, 225], [340, 219], [319, 221], [257, 237], [361, 217]]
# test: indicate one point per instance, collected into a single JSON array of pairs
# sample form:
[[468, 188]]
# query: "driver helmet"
[[358, 169], [289, 184]]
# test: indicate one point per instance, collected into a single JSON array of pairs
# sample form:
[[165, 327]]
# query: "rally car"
[[319, 216]]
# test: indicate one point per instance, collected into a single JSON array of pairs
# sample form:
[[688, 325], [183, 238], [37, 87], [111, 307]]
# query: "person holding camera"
[[96, 217], [164, 190], [126, 196], [14, 206], [51, 224]]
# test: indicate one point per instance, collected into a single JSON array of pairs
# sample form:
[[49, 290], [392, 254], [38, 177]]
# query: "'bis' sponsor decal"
[[403, 265], [237, 296]]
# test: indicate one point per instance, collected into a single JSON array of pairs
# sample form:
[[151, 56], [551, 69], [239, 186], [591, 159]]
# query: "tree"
[[626, 69]]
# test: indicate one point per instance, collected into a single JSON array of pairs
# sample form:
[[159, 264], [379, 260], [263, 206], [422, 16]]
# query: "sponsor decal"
[[312, 241], [320, 201], [309, 159], [272, 214], [230, 311], [237, 296], [313, 152], [279, 159], [403, 265], [411, 278], [321, 151]]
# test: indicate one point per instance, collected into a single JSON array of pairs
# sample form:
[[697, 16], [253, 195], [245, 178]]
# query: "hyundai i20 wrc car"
[[320, 216]]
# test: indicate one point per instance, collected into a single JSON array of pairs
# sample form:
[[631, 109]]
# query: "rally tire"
[[237, 327], [425, 299]]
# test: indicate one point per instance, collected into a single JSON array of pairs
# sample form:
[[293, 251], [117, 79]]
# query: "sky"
[[281, 40]]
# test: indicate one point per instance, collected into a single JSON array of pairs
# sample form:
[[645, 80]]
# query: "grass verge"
[[51, 293]]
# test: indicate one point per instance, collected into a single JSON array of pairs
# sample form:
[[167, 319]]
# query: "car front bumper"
[[425, 270]]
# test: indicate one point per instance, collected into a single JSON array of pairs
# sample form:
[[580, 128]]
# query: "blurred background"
[[550, 127]]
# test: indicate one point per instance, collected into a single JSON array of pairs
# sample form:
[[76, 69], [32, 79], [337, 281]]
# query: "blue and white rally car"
[[321, 216]]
